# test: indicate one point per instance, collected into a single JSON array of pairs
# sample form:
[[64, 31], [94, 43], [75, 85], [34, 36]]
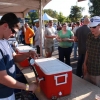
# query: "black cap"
[[2, 22], [11, 19]]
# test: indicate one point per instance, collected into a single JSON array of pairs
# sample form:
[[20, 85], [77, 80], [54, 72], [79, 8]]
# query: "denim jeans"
[[75, 49]]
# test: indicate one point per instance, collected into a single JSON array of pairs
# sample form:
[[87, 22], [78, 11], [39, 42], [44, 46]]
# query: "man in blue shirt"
[[8, 25]]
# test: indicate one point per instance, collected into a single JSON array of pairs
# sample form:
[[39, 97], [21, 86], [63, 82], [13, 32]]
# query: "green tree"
[[32, 16], [76, 13], [68, 20], [61, 18], [35, 15], [94, 7], [51, 13]]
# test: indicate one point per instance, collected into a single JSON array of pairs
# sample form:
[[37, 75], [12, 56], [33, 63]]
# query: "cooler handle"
[[64, 75]]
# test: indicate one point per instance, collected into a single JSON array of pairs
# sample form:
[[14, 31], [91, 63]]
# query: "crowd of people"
[[83, 38], [69, 36]]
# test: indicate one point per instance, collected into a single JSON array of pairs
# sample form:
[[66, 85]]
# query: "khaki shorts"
[[49, 49], [93, 79]]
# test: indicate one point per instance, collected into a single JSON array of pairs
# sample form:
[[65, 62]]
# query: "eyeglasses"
[[13, 31], [18, 27]]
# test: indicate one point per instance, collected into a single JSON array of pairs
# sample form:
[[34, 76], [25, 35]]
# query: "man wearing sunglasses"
[[92, 57], [9, 24]]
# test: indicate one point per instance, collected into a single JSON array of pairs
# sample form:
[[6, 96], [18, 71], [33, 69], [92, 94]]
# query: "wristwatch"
[[27, 87]]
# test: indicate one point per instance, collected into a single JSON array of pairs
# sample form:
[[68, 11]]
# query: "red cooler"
[[55, 76], [23, 49]]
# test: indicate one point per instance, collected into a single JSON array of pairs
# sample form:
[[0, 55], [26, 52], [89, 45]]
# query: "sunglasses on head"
[[13, 31]]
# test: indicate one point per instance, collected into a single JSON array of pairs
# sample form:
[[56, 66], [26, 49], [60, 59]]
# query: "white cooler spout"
[[40, 79]]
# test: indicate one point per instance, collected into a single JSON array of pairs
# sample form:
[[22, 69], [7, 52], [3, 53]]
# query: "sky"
[[65, 5]]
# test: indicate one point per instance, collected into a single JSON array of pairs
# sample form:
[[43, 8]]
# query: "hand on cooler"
[[33, 54]]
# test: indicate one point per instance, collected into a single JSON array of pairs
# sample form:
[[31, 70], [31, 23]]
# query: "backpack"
[[25, 95]]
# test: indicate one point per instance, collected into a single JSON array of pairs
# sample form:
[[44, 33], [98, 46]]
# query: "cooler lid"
[[22, 49], [52, 66]]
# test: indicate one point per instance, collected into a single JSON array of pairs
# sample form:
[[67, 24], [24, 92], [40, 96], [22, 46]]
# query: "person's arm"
[[37, 35], [75, 39], [84, 64], [49, 36], [52, 36], [58, 39], [8, 81], [86, 55], [31, 33], [75, 36], [21, 57], [71, 39]]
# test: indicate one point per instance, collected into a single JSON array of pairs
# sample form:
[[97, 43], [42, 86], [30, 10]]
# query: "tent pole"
[[40, 23]]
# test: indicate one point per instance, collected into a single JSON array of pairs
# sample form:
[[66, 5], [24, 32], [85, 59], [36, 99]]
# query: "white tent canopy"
[[46, 17], [20, 7]]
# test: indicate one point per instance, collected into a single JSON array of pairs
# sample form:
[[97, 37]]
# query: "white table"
[[81, 89]]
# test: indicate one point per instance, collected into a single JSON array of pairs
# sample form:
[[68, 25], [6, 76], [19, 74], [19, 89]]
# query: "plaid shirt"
[[93, 50]]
